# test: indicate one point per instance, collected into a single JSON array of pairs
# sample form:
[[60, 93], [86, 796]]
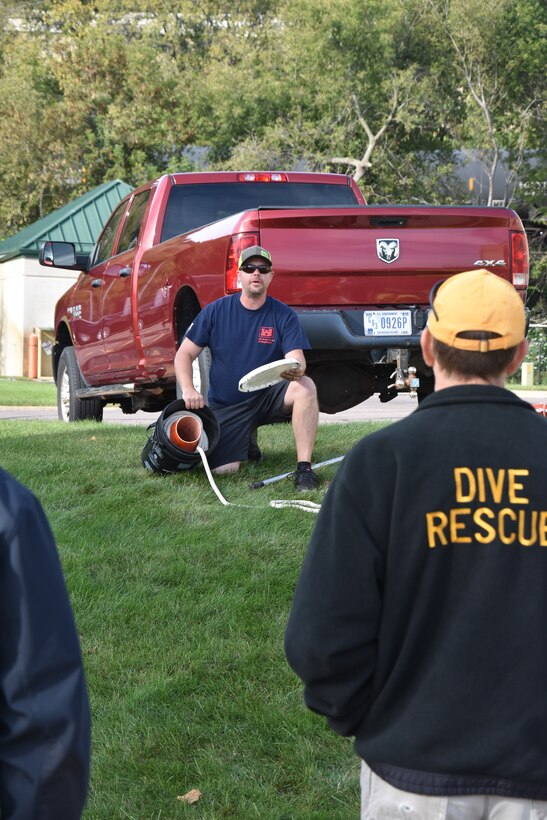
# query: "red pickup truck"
[[358, 276]]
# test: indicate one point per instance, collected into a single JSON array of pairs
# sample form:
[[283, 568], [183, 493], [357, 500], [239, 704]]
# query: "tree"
[[502, 78], [119, 72], [386, 90], [37, 168], [342, 85], [86, 96]]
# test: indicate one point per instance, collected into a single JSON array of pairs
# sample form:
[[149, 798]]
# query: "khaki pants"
[[380, 801]]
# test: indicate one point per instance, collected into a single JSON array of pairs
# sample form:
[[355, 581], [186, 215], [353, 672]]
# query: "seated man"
[[244, 331]]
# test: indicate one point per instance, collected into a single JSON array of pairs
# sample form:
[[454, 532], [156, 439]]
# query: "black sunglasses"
[[250, 268], [433, 294]]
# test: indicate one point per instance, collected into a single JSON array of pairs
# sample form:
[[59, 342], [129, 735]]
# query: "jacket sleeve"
[[330, 640], [44, 712]]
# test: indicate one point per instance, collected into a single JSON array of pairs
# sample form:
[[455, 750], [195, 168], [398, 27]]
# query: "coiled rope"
[[306, 506]]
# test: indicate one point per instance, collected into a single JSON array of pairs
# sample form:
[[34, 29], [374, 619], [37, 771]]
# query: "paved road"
[[374, 410], [370, 410]]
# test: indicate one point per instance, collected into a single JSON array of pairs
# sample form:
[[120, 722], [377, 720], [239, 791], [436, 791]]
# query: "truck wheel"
[[69, 379], [200, 373]]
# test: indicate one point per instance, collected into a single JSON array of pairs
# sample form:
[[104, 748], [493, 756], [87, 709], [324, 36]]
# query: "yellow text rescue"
[[500, 511]]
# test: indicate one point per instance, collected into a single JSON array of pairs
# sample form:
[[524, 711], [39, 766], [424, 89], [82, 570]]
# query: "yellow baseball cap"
[[477, 300]]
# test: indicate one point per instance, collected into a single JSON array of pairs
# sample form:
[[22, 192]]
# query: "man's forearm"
[[183, 371]]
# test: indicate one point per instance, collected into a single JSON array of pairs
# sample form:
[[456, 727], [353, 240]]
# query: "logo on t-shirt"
[[266, 336]]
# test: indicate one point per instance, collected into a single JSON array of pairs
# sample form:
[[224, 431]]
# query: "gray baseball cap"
[[255, 250]]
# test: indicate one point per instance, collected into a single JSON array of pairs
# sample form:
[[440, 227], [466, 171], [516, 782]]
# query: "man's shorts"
[[238, 421], [380, 800]]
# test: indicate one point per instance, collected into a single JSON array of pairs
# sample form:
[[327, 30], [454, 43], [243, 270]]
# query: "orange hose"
[[186, 433]]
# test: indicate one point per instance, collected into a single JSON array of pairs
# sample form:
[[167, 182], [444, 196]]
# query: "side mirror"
[[60, 255]]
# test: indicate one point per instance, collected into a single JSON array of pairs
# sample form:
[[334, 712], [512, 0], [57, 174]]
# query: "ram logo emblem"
[[387, 250]]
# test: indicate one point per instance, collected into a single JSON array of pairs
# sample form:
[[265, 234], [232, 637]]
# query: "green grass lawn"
[[181, 605], [27, 393]]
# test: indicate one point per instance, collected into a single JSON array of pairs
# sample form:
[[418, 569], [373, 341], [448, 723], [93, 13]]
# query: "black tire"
[[69, 379], [201, 369]]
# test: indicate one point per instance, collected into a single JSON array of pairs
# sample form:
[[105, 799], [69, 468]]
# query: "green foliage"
[[36, 169], [129, 86], [181, 606], [537, 289], [537, 353], [382, 89], [496, 49]]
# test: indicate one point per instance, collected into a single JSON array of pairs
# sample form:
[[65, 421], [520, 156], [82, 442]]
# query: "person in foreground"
[[243, 332], [44, 711], [418, 621]]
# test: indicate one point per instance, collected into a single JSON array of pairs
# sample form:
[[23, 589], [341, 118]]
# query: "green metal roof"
[[80, 222]]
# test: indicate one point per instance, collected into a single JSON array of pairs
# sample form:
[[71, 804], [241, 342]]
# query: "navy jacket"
[[418, 622], [44, 712]]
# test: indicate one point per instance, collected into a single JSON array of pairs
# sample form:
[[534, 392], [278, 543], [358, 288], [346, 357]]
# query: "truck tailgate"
[[380, 255]]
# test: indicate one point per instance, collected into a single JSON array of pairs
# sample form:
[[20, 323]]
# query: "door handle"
[[96, 283], [123, 272]]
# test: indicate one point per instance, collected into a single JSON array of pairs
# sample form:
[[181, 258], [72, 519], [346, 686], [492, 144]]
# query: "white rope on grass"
[[306, 506], [212, 480]]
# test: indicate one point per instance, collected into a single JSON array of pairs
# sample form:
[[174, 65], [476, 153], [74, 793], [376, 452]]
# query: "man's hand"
[[297, 372], [192, 399], [293, 374]]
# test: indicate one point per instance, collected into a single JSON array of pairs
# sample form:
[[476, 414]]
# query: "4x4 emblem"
[[387, 250]]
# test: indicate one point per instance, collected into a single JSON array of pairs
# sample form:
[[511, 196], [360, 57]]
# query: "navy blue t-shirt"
[[241, 340]]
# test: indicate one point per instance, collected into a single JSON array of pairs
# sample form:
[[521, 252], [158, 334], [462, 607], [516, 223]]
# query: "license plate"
[[388, 323]]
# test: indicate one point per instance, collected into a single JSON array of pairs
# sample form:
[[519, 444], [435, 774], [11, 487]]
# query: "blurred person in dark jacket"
[[44, 711], [418, 622]]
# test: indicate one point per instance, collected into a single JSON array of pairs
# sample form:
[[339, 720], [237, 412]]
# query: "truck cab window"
[[133, 222], [106, 240], [192, 206]]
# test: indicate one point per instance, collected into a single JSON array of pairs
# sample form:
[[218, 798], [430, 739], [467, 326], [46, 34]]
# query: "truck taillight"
[[238, 243], [268, 177], [519, 260]]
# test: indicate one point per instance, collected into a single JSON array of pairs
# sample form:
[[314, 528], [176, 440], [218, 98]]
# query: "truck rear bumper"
[[343, 329]]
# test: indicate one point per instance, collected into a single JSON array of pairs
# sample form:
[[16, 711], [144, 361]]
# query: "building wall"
[[28, 294], [11, 318]]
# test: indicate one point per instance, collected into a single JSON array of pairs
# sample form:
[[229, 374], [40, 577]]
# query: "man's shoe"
[[305, 480], [254, 452]]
